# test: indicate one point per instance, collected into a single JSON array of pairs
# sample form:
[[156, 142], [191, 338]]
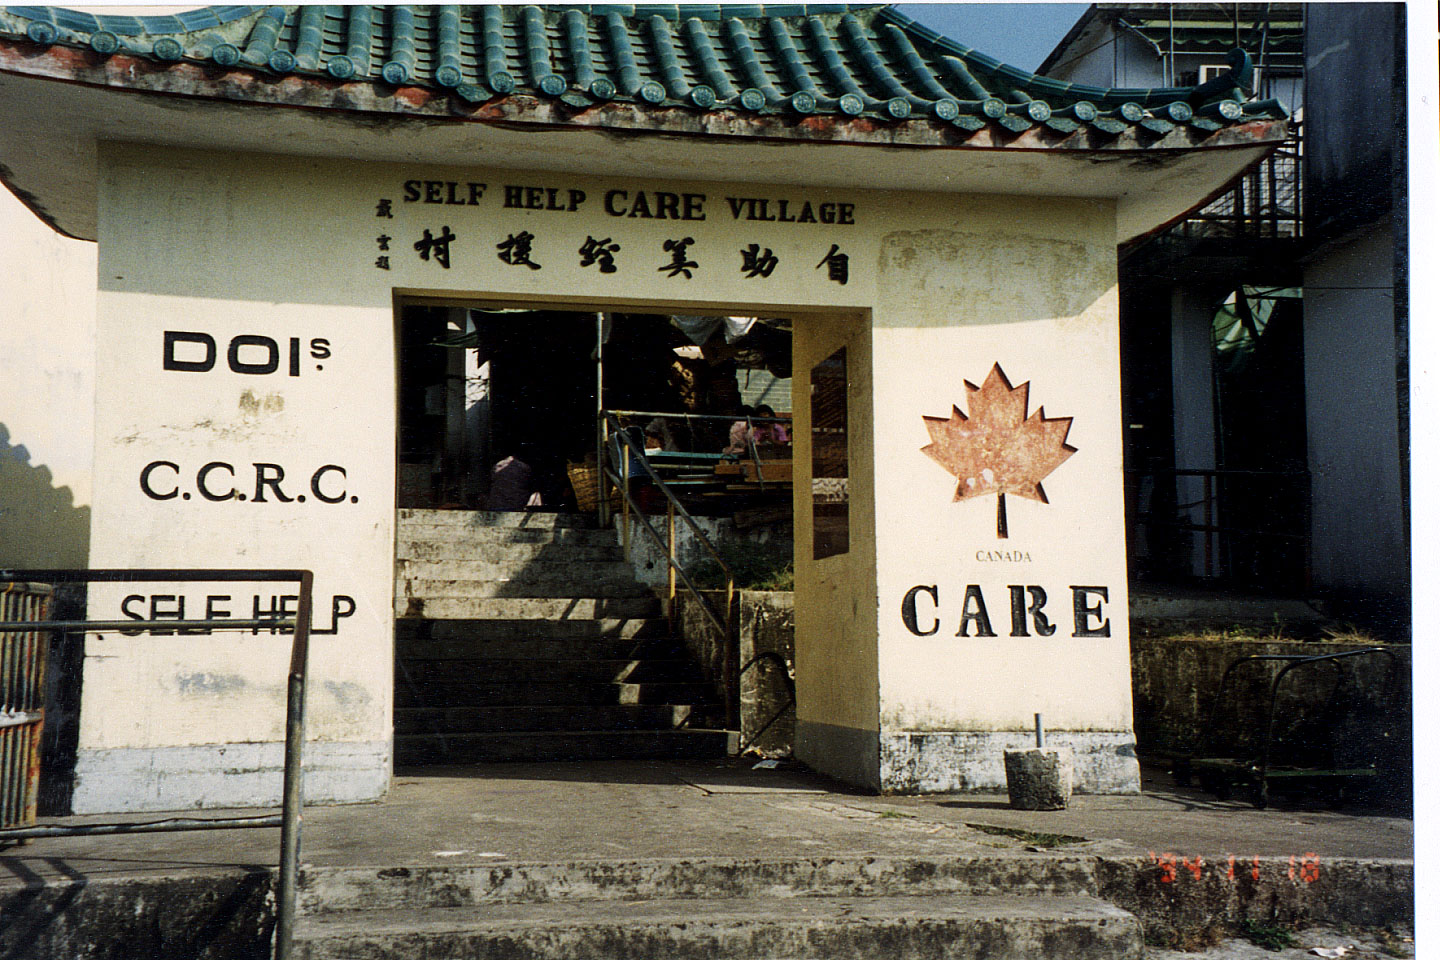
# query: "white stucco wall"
[[47, 369], [1032, 289], [215, 248]]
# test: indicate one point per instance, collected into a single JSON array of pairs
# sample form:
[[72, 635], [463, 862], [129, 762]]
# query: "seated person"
[[741, 433], [512, 486], [659, 437], [769, 432]]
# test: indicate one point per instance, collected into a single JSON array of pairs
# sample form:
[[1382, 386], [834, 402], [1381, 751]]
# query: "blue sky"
[[1020, 34]]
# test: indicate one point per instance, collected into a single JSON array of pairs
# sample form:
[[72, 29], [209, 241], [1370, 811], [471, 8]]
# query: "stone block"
[[1039, 779]]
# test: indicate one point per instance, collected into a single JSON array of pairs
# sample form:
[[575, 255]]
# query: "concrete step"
[[588, 670], [340, 889], [559, 536], [454, 548], [527, 608], [546, 693], [610, 628], [579, 586], [531, 520], [459, 720], [538, 571], [812, 928], [418, 749]]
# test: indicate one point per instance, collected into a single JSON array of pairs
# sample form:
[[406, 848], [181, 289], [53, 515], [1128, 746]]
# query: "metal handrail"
[[674, 565], [673, 507], [732, 417], [292, 791], [1261, 768], [1220, 531], [624, 440]]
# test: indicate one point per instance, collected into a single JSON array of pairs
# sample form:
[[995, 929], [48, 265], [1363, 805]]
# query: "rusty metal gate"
[[27, 666], [22, 701]]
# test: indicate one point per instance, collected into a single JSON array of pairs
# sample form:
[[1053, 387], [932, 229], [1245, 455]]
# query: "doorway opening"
[[480, 386], [527, 631]]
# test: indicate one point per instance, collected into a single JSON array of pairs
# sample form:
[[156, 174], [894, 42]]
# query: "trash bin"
[[22, 700]]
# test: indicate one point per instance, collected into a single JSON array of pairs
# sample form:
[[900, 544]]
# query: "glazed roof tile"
[[825, 59]]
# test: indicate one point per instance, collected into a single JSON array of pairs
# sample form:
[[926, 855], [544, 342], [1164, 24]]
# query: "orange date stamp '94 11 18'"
[[1305, 868]]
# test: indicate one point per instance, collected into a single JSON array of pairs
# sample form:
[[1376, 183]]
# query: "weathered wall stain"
[[348, 694], [253, 406], [974, 277], [209, 684]]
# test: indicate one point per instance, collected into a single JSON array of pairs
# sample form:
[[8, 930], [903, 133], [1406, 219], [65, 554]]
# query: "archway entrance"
[[524, 628]]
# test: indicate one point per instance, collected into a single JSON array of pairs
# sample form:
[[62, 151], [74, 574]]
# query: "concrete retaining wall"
[[649, 559], [1176, 680], [211, 916], [767, 646]]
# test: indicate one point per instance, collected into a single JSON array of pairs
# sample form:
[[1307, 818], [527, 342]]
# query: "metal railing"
[[1265, 201], [22, 700], [752, 448], [292, 785], [618, 443], [1260, 766], [1250, 524]]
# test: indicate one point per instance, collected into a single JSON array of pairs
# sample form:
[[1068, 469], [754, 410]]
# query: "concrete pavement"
[[636, 810], [541, 836]]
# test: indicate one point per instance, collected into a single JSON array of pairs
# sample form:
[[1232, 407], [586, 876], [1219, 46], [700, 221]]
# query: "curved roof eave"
[[65, 92], [751, 68]]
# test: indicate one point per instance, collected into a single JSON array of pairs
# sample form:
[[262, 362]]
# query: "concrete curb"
[[225, 914], [210, 915]]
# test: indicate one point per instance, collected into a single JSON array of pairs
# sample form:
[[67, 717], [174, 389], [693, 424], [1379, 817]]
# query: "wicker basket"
[[583, 478]]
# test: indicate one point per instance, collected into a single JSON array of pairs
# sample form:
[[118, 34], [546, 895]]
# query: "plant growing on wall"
[[998, 448]]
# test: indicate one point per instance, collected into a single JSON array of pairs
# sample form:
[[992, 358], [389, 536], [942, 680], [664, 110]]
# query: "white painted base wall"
[[185, 778], [952, 761]]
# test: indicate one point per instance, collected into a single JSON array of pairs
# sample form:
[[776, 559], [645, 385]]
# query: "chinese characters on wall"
[[674, 257]]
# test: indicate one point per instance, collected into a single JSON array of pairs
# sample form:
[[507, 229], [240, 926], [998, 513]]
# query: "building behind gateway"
[[271, 189]]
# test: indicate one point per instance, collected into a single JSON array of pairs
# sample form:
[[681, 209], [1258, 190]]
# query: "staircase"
[[818, 908], [525, 637]]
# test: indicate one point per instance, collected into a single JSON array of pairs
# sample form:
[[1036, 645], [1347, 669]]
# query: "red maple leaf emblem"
[[997, 448]]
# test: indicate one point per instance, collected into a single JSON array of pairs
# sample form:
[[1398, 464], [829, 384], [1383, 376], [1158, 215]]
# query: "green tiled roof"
[[798, 59]]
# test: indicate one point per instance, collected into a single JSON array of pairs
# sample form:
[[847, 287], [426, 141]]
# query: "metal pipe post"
[[625, 501], [732, 676], [670, 570], [602, 506], [294, 798]]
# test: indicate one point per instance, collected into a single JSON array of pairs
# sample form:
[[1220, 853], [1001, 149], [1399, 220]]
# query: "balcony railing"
[[1241, 528], [1267, 201]]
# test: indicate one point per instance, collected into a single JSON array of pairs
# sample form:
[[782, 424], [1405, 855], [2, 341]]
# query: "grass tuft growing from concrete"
[[1268, 936], [755, 566], [1029, 837], [1276, 632]]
